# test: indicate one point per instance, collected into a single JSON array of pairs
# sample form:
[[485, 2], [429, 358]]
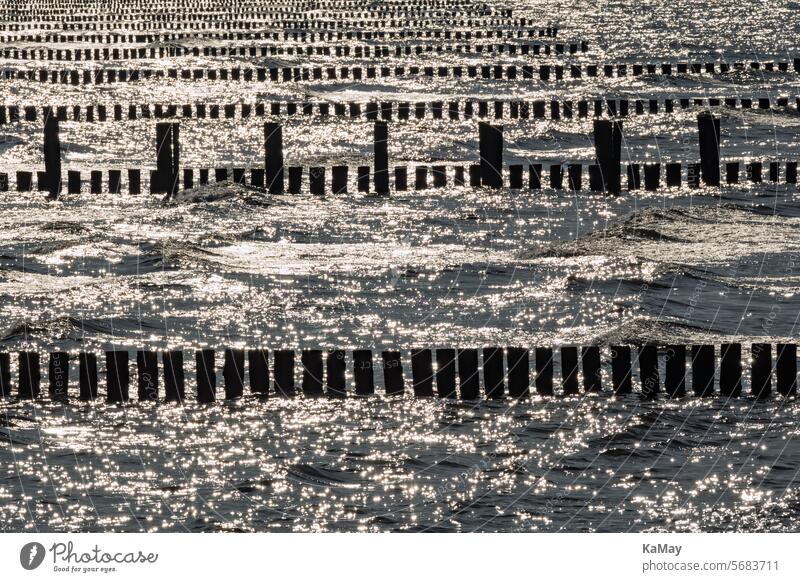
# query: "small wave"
[[310, 475], [71, 328], [217, 191]]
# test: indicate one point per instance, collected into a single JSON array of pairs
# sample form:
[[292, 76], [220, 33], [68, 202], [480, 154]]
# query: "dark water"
[[228, 266]]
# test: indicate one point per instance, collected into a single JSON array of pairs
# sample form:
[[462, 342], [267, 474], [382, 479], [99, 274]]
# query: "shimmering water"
[[230, 266]]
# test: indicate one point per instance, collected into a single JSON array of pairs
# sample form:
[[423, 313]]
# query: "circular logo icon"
[[31, 555]]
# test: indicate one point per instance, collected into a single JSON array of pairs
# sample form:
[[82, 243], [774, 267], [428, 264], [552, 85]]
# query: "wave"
[[218, 191], [705, 233], [316, 476], [75, 329]]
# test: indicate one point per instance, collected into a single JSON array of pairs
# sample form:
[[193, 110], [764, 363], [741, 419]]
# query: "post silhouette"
[[468, 377], [273, 157], [518, 366], [381, 146], [730, 369], [608, 151], [446, 372], [708, 128], [336, 373], [392, 372], [569, 370], [52, 154], [491, 154], [167, 159]]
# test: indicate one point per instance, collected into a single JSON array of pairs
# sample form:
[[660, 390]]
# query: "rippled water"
[[230, 266]]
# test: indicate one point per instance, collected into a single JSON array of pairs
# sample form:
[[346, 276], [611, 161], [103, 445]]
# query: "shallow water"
[[229, 266], [590, 464]]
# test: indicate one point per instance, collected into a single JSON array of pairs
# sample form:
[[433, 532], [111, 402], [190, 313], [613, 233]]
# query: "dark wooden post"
[[206, 373], [608, 151], [446, 372], [544, 371], [592, 369], [393, 372], [708, 128], [422, 372], [167, 159], [117, 376], [147, 374], [675, 372], [311, 362], [493, 380], [174, 384], [258, 365], [52, 153], [569, 370], [730, 369], [381, 146], [703, 370], [519, 372], [273, 160], [468, 377], [336, 373], [233, 373], [491, 154], [363, 375], [648, 371]]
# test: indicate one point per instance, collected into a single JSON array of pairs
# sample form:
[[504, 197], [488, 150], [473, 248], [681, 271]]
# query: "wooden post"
[[381, 147], [519, 373], [786, 369], [422, 372], [311, 361], [233, 373], [652, 177], [167, 159], [147, 375], [273, 157], [569, 370], [544, 371], [363, 376], [206, 374], [5, 374], [535, 176], [592, 369], [59, 376], [52, 154], [446, 372], [730, 370], [675, 374], [316, 180], [174, 384], [761, 371], [493, 381], [648, 371], [732, 172], [621, 372], [392, 372], [708, 129], [87, 376], [117, 376], [258, 365], [468, 377], [336, 373], [491, 154], [608, 151], [29, 375], [703, 370], [284, 372]]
